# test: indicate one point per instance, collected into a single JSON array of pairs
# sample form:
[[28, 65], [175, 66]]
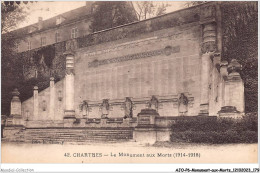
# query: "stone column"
[[16, 106], [208, 48], [69, 86], [52, 98], [35, 103]]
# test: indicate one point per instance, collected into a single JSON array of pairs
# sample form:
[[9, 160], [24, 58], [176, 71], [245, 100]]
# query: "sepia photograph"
[[129, 82]]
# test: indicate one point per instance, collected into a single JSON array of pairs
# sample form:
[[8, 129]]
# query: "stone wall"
[[161, 63], [44, 105]]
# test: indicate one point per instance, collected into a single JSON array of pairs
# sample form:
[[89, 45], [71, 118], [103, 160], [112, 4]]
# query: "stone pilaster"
[[52, 99], [35, 103], [69, 86], [208, 49]]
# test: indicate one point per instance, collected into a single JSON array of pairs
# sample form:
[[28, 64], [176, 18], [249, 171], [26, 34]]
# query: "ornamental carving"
[[153, 103], [128, 108], [208, 47], [70, 71], [234, 66], [183, 104], [167, 51], [84, 108], [207, 12], [104, 108]]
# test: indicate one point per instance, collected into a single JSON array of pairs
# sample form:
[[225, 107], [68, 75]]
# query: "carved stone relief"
[[167, 51]]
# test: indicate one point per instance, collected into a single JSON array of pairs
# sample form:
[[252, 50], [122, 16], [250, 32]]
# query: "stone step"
[[73, 135], [87, 136], [53, 134]]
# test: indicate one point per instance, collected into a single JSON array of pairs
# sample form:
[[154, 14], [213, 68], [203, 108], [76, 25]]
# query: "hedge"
[[216, 131]]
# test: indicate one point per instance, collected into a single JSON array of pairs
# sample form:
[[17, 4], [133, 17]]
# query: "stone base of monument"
[[126, 121], [44, 123], [146, 130], [15, 120], [103, 122], [69, 114], [13, 133], [145, 135], [163, 134], [230, 112], [69, 118], [151, 135], [204, 110]]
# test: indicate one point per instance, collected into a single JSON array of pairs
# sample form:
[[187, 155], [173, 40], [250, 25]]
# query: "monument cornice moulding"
[[132, 44]]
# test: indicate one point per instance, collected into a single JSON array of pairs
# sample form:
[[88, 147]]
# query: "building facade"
[[140, 77]]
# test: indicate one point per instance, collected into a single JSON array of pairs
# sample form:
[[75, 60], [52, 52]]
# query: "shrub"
[[218, 131]]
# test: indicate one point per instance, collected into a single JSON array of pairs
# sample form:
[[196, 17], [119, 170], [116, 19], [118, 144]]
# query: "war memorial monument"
[[132, 82]]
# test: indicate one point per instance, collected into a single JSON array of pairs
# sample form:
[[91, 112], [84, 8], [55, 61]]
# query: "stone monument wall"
[[163, 63]]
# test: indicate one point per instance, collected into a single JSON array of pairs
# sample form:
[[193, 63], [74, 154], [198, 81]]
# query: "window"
[[74, 33], [57, 36], [43, 41], [17, 47], [29, 45], [59, 20]]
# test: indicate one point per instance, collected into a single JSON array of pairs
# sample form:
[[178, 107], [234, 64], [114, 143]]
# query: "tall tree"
[[110, 14], [12, 14], [148, 9], [240, 41]]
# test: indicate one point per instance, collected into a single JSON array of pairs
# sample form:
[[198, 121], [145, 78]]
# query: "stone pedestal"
[[16, 106], [103, 122], [126, 121], [146, 130], [15, 119], [146, 118], [69, 114], [229, 112], [10, 131], [68, 122]]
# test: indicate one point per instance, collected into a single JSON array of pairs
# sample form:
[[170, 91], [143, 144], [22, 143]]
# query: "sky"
[[53, 8]]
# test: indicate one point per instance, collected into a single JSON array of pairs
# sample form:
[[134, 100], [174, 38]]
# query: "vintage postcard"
[[129, 82]]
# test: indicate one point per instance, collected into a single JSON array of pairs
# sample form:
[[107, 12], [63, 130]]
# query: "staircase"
[[58, 135]]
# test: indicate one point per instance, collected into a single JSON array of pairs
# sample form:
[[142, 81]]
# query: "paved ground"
[[129, 152]]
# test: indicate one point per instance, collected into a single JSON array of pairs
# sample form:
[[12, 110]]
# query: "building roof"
[[70, 16]]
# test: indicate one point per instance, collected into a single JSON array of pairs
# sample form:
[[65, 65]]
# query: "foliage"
[[47, 61], [193, 3], [229, 136], [148, 9], [205, 130], [240, 33], [111, 14], [11, 15]]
